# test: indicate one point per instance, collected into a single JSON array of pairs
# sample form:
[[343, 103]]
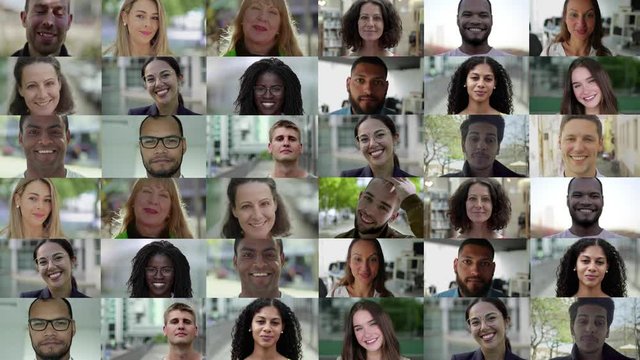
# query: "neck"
[[148, 231], [591, 173], [494, 354], [488, 172], [170, 108], [360, 290], [479, 108], [374, 355], [584, 291], [590, 230], [592, 111], [258, 49], [182, 352], [33, 172], [34, 52], [66, 356], [385, 170], [593, 356], [575, 47], [287, 169], [266, 293], [140, 49], [371, 48], [30, 232], [63, 291], [176, 175], [264, 353], [470, 49], [479, 231]]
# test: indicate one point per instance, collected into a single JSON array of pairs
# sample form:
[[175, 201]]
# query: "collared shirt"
[[492, 52], [25, 51], [498, 170], [347, 111], [455, 293]]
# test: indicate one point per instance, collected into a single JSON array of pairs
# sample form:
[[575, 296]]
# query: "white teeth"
[[376, 153], [158, 285], [45, 151], [55, 276], [268, 104], [488, 337], [366, 219], [260, 224], [260, 274], [475, 29], [579, 158], [368, 342], [589, 98], [586, 210], [162, 92]]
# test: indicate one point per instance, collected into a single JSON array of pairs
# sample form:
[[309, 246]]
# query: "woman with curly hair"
[[591, 267], [479, 208], [160, 270], [364, 273], [266, 329], [269, 87], [587, 89], [371, 28], [480, 85]]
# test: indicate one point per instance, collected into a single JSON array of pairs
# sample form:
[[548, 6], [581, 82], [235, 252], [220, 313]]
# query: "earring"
[[249, 330], [125, 24], [282, 332], [574, 269], [17, 206], [465, 85]]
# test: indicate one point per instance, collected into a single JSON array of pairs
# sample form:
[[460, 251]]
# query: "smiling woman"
[[587, 89], [371, 28]]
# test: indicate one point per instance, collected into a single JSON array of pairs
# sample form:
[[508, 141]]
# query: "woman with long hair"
[[266, 329], [587, 89], [480, 85], [371, 28], [364, 273], [40, 88], [591, 267], [154, 210], [33, 210], [160, 270]]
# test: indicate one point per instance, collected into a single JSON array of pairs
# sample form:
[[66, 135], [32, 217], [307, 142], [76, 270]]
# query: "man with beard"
[[367, 87], [378, 205], [585, 202], [46, 23], [474, 22], [474, 268], [181, 330], [51, 328], [285, 147], [162, 146]]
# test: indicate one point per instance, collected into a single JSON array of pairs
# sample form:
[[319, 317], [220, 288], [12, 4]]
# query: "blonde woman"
[[154, 210], [141, 30], [34, 213]]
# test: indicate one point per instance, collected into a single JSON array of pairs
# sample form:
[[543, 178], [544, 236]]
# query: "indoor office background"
[[444, 148], [550, 215], [446, 331], [18, 269], [297, 276], [337, 148], [404, 264], [115, 192], [511, 274], [338, 202], [223, 313], [15, 332], [405, 92], [83, 152], [123, 86], [546, 255], [440, 190], [509, 31], [221, 14], [619, 155], [121, 147], [300, 196], [406, 314], [330, 27], [117, 264], [223, 79]]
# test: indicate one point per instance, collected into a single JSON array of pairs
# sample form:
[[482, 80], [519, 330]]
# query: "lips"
[[475, 29], [366, 218], [370, 341], [145, 33], [259, 274], [161, 160], [162, 92], [591, 277], [581, 31], [488, 336], [54, 275], [258, 224], [47, 36], [578, 157], [268, 104], [260, 28], [158, 285], [376, 153], [150, 211]]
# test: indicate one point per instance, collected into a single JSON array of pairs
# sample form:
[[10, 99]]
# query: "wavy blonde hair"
[[159, 43], [51, 226], [176, 225], [286, 40]]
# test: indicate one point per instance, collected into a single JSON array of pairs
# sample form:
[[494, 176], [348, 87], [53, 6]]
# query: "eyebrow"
[[478, 133], [144, 12], [54, 254], [373, 196]]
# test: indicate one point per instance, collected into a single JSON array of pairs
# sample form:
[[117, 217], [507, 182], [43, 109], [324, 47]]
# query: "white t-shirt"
[[341, 291], [556, 49], [604, 234]]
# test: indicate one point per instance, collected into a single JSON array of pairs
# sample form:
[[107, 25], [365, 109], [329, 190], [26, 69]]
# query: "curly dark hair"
[[614, 283], [391, 33], [137, 283], [289, 344], [571, 105], [390, 349], [246, 104], [500, 204], [500, 98]]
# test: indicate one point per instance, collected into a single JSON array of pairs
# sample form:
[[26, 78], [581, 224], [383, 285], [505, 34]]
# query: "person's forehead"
[[269, 312], [474, 6], [368, 70], [180, 314], [361, 317], [43, 121], [481, 69], [257, 244], [166, 124], [585, 185], [580, 127], [483, 128], [50, 309], [579, 5], [580, 73], [475, 252], [478, 189], [482, 308], [157, 66], [370, 8], [49, 3], [365, 248], [591, 310], [282, 130]]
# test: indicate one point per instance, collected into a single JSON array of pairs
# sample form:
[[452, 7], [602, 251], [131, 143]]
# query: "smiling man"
[[162, 146], [285, 148], [51, 328], [181, 330], [580, 142], [46, 23], [259, 263]]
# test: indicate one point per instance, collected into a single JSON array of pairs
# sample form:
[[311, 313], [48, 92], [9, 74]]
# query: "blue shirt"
[[453, 293], [347, 111]]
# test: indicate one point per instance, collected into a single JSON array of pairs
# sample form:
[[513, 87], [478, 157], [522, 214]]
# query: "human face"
[[370, 22], [180, 328], [586, 90], [367, 331], [479, 206], [585, 201], [255, 209], [285, 145], [591, 267], [266, 327], [259, 263], [34, 204], [142, 22], [54, 265], [376, 143], [162, 161], [480, 83], [159, 275], [474, 269], [474, 21], [261, 24], [580, 19], [46, 22], [367, 87], [271, 101], [364, 262], [44, 140], [487, 326], [152, 206], [162, 83], [580, 144], [51, 343], [590, 329], [40, 88], [481, 146], [377, 205]]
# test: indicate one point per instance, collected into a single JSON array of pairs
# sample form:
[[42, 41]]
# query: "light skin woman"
[[479, 210], [371, 28], [55, 265], [581, 31], [379, 150], [141, 29], [365, 274], [587, 89], [34, 211]]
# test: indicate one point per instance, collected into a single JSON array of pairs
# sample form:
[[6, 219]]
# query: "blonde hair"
[[159, 43], [286, 40], [51, 227], [176, 225]]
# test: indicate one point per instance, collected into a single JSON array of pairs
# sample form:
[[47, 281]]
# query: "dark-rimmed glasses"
[[170, 142], [60, 324], [165, 271], [275, 90]]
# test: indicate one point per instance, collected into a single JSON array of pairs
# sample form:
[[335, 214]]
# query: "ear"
[[184, 146], [393, 216], [68, 134], [233, 211], [348, 83], [20, 138], [269, 148], [462, 145], [16, 199], [600, 145], [164, 330], [235, 261], [70, 19], [498, 151], [123, 16], [455, 265], [23, 19], [73, 328], [282, 259]]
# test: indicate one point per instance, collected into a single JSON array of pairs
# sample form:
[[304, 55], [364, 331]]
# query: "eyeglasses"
[[170, 142], [489, 319], [378, 136], [164, 77], [165, 271], [56, 259], [275, 90], [61, 324]]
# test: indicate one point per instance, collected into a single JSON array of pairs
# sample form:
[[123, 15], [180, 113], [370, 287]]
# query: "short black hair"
[[373, 60], [489, 2], [605, 303], [52, 299], [595, 177], [495, 120], [236, 243], [64, 118], [161, 116], [478, 242]]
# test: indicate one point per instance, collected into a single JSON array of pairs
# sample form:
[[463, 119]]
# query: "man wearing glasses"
[[51, 328], [162, 146]]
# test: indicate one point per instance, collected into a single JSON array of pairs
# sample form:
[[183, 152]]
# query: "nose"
[[44, 138], [50, 265], [474, 269], [48, 18]]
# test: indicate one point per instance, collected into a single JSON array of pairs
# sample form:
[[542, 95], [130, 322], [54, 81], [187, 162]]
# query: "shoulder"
[[31, 294], [449, 293], [344, 111], [184, 111], [144, 110], [353, 172], [339, 291], [122, 235], [554, 49], [73, 175]]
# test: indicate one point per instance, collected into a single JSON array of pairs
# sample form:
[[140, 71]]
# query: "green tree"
[[549, 324], [442, 141], [338, 193]]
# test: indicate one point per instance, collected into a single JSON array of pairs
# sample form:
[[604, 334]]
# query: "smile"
[[145, 33], [158, 285], [376, 153], [259, 274], [55, 276], [162, 92], [45, 151], [268, 104], [488, 337], [259, 28], [578, 157], [150, 211], [258, 224], [588, 211], [366, 219], [47, 35], [475, 29], [589, 98], [371, 341]]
